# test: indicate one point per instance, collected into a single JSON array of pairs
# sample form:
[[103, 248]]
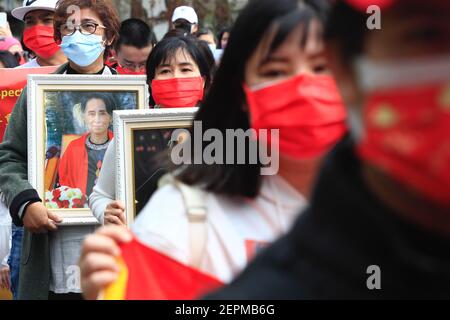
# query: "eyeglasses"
[[85, 28]]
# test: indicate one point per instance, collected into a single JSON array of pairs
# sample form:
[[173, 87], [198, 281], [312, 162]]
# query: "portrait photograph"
[[150, 163], [143, 147], [76, 122]]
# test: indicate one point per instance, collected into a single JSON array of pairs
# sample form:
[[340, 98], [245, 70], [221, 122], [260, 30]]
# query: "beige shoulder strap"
[[196, 210]]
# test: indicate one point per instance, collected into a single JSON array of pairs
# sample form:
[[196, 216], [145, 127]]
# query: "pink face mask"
[[178, 92], [308, 111]]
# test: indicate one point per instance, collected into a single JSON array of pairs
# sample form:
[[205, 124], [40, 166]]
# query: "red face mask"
[[178, 92], [407, 135], [308, 111], [40, 40], [121, 70]]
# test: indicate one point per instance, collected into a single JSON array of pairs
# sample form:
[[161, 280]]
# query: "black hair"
[[8, 59], [224, 107], [107, 98], [177, 33], [346, 26], [136, 33], [220, 36], [183, 24], [167, 48], [205, 31]]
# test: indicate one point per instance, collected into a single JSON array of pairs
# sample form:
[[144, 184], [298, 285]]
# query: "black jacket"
[[347, 229]]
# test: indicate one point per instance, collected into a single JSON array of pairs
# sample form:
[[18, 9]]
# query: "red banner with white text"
[[12, 82]]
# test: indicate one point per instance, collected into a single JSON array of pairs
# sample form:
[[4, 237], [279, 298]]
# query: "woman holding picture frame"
[[178, 75], [50, 253], [271, 74]]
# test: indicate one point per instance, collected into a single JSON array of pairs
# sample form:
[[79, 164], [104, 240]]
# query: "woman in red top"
[[81, 162]]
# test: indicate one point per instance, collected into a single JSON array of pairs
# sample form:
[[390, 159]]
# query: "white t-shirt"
[[236, 228], [30, 64]]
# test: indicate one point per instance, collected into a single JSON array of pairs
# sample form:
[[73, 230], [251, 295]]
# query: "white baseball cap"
[[186, 13], [31, 5]]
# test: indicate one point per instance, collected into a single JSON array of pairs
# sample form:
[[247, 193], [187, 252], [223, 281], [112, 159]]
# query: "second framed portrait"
[[70, 121], [143, 142]]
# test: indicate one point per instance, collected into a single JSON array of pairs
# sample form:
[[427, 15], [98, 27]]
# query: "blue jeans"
[[14, 258]]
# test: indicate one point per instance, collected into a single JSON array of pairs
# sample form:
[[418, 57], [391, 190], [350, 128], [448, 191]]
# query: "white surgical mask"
[[82, 49], [212, 47]]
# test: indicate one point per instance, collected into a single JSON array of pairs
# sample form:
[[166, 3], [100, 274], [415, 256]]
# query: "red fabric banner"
[[146, 274], [12, 82]]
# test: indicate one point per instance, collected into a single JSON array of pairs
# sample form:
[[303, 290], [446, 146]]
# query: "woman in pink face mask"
[[177, 73], [273, 75], [178, 76]]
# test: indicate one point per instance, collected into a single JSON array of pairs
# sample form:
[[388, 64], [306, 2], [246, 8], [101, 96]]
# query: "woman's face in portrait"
[[96, 117]]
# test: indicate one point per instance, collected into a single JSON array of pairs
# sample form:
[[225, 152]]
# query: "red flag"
[[12, 82], [146, 274]]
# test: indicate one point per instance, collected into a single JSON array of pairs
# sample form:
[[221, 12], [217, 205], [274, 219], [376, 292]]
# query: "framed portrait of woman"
[[70, 125], [143, 141]]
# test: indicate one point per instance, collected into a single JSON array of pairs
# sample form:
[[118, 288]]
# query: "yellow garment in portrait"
[[51, 167]]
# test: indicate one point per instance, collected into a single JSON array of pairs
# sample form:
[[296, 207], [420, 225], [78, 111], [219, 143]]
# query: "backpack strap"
[[193, 199]]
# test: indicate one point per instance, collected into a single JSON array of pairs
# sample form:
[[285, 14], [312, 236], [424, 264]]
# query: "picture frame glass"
[[151, 160], [78, 130], [144, 144]]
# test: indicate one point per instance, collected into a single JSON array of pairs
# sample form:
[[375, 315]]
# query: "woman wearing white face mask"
[[50, 253], [86, 38]]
